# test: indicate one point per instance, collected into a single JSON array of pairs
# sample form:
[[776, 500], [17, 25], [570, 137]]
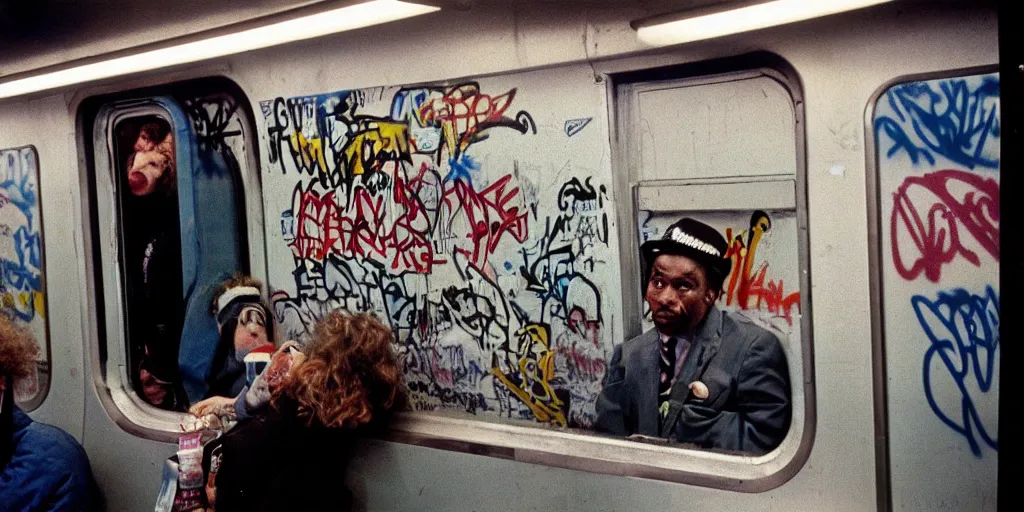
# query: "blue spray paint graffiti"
[[963, 330], [574, 126], [21, 285], [462, 167], [955, 118]]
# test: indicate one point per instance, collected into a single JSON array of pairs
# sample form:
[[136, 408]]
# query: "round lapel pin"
[[699, 389]]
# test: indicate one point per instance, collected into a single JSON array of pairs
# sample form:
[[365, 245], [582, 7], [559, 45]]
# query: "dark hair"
[[157, 131]]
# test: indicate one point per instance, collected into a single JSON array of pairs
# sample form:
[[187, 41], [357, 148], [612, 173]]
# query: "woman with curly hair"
[[293, 456], [41, 467]]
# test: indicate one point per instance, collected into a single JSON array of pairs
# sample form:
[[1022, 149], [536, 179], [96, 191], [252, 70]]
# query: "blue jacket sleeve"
[[48, 471]]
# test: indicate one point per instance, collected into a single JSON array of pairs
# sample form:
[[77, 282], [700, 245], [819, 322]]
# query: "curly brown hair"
[[18, 350], [350, 374], [237, 279]]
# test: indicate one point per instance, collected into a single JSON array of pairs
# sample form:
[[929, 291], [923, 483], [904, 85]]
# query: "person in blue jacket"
[[42, 468]]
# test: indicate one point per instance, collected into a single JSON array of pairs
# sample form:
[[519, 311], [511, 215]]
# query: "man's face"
[[678, 294]]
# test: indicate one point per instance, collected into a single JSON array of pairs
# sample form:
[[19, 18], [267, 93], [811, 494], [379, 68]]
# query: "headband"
[[237, 295]]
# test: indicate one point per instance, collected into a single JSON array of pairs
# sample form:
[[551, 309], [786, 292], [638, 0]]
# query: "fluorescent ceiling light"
[[307, 27], [742, 19]]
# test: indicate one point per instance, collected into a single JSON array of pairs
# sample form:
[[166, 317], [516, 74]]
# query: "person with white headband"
[[246, 336]]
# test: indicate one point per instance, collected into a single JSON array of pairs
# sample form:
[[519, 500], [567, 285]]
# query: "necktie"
[[667, 362]]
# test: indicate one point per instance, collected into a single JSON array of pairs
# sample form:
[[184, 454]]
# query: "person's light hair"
[[350, 375], [18, 349]]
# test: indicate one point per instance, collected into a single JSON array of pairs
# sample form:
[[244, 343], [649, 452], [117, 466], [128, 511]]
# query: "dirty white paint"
[[22, 283], [938, 168], [837, 61]]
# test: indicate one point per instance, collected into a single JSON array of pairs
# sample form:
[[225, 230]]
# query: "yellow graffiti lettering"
[[39, 301], [451, 138], [25, 302], [310, 150], [536, 367], [381, 141], [757, 229]]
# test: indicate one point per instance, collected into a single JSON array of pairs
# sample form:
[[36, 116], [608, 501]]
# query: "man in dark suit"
[[702, 376]]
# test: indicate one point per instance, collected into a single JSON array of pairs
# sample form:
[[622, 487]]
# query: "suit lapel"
[[704, 348], [647, 385]]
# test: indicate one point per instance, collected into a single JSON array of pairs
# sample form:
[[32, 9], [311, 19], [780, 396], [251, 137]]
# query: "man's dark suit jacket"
[[748, 407]]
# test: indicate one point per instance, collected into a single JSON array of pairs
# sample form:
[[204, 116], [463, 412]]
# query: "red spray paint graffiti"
[[742, 288], [463, 112], [362, 229], [488, 215], [959, 199]]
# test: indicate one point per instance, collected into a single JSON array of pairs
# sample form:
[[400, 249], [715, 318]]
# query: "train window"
[[22, 279], [151, 249], [936, 186], [479, 218], [171, 166], [724, 150]]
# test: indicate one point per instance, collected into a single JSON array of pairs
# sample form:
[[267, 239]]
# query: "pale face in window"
[[152, 158], [251, 331]]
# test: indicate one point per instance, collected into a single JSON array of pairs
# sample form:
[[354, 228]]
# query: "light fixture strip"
[[320, 24], [744, 19]]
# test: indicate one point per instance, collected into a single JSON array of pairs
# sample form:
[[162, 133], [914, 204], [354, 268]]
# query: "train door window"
[[22, 279], [172, 168], [937, 168], [724, 150]]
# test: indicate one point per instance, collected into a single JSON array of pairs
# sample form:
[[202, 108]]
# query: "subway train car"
[[481, 175]]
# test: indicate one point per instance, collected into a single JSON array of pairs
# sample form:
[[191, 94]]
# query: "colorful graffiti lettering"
[[392, 210], [527, 371], [21, 280], [963, 332], [22, 286], [464, 114], [378, 142], [955, 200], [745, 284], [939, 158]]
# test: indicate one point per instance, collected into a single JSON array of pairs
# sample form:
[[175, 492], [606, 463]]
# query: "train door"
[[723, 143], [936, 187], [173, 218]]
